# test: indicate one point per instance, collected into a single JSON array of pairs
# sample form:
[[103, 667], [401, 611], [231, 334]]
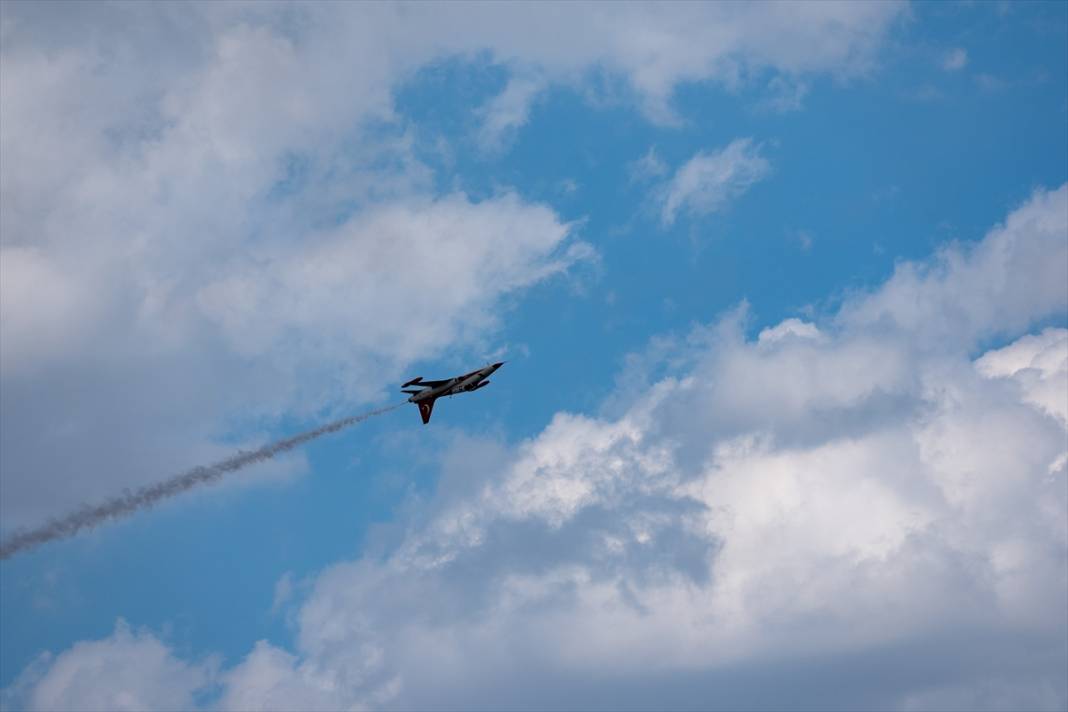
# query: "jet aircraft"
[[430, 391]]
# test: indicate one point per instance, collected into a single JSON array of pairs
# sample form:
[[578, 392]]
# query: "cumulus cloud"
[[214, 233], [1037, 364], [180, 184], [140, 673], [966, 294], [296, 321], [849, 499], [709, 181], [836, 497], [655, 47], [789, 328]]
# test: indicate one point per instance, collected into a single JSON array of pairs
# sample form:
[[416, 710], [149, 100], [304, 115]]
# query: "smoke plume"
[[89, 516]]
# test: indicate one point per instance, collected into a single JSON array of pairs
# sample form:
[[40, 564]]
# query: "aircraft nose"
[[498, 365]]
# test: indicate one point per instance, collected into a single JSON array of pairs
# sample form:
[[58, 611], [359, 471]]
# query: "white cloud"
[[272, 679], [170, 172], [777, 500], [443, 261], [839, 494], [849, 498], [188, 239], [181, 191], [709, 181], [1037, 364], [655, 47], [129, 670], [507, 112], [789, 328], [955, 59], [967, 294], [292, 325]]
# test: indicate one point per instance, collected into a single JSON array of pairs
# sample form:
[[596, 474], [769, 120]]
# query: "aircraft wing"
[[433, 384]]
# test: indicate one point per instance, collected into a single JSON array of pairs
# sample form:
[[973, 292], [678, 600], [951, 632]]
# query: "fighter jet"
[[430, 391]]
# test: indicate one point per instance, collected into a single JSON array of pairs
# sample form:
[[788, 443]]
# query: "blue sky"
[[768, 279]]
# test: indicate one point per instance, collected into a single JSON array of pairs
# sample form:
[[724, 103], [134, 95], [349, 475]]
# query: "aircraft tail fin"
[[426, 408]]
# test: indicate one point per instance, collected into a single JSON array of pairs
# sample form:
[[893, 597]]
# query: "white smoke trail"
[[89, 516]]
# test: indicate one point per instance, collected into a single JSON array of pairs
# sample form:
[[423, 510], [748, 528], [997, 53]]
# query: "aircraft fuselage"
[[432, 390]]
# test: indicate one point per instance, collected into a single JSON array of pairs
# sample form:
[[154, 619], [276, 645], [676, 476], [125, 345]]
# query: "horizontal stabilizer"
[[412, 382], [410, 390]]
